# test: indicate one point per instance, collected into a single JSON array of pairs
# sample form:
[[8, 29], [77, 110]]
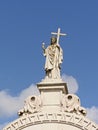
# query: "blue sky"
[[24, 25]]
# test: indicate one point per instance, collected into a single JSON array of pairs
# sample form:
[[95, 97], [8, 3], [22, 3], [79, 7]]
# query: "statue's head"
[[53, 40]]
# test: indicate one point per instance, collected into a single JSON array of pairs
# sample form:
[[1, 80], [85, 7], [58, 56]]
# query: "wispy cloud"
[[7, 101], [71, 83], [10, 105], [92, 113]]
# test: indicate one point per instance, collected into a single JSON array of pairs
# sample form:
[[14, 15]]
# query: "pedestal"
[[51, 94]]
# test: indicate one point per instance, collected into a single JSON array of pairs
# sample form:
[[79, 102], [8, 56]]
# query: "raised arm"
[[44, 49]]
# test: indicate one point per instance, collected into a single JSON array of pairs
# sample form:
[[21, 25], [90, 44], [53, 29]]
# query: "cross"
[[58, 35]]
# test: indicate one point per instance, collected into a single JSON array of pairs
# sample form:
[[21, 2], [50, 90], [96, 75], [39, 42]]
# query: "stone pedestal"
[[51, 94]]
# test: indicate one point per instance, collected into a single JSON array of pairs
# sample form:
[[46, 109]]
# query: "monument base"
[[51, 94]]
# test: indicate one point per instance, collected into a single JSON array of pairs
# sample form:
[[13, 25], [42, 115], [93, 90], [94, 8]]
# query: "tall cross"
[[58, 35]]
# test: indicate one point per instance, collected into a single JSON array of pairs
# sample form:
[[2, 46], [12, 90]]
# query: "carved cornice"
[[53, 84], [63, 118]]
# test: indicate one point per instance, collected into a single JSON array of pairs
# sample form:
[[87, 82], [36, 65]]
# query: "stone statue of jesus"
[[54, 58]]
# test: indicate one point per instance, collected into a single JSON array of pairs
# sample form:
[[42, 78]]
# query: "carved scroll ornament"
[[31, 105], [71, 103]]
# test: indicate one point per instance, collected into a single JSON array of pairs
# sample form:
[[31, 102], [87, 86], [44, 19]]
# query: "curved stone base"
[[56, 121]]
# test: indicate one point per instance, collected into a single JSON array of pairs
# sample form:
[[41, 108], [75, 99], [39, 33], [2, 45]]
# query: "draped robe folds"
[[54, 57]]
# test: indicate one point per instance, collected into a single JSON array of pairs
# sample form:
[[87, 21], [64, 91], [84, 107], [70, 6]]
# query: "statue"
[[54, 57]]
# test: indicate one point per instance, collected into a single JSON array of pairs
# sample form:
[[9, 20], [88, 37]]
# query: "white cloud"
[[10, 105], [71, 83], [32, 90], [92, 114]]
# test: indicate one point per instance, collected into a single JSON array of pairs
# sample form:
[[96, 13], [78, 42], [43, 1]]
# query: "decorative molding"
[[71, 103], [53, 85], [31, 105], [62, 118]]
